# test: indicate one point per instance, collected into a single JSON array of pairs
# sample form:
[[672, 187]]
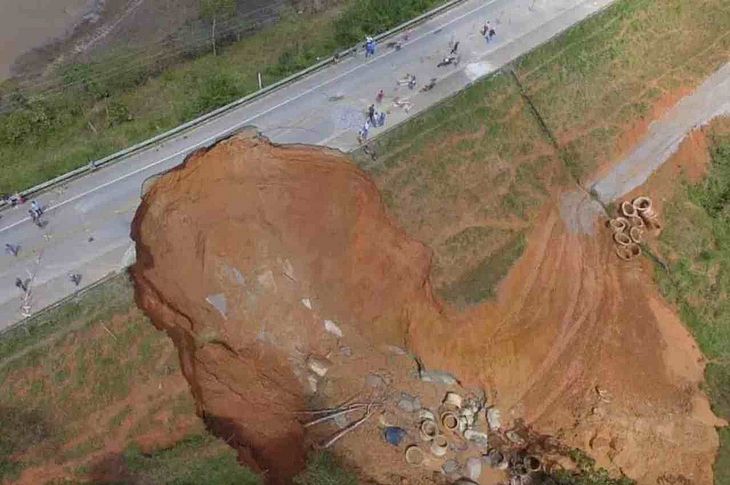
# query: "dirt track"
[[577, 344]]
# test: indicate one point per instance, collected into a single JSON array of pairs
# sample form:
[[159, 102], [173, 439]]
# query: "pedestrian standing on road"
[[488, 31], [371, 114], [455, 48], [379, 97], [381, 118], [369, 47], [75, 278], [12, 249], [412, 81], [21, 285], [36, 207]]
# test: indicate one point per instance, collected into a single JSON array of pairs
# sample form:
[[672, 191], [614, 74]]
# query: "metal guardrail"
[[115, 157]]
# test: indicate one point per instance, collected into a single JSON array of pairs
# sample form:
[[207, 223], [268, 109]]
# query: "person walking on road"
[[371, 114], [12, 249], [21, 285], [36, 207], [488, 31], [379, 97], [362, 135]]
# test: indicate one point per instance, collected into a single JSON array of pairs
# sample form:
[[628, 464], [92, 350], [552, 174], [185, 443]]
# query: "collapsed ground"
[[412, 168]]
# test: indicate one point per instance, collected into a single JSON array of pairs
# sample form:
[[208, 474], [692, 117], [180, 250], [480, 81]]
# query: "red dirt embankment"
[[245, 250], [233, 249]]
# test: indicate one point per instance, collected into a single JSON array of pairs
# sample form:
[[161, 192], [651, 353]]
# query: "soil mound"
[[247, 255]]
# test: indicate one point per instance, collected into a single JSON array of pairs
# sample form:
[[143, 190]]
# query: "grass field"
[[696, 242], [466, 177]]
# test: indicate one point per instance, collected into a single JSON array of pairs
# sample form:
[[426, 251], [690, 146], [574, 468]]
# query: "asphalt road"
[[89, 218]]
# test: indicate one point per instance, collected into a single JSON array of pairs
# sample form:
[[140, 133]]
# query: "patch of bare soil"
[[250, 252]]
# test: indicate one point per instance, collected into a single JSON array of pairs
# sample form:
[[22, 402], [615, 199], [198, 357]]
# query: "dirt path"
[[710, 100]]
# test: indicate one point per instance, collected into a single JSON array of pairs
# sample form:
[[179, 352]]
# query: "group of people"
[[374, 118]]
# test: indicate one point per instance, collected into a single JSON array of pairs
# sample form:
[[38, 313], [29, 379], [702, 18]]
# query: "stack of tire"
[[629, 228]]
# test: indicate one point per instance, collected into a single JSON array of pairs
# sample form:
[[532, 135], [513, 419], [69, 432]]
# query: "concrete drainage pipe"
[[644, 206], [619, 224], [628, 209], [439, 445], [622, 238], [637, 234], [628, 252], [428, 430], [450, 420], [647, 212], [637, 221], [415, 455]]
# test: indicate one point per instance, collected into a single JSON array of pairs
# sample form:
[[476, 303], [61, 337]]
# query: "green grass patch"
[[21, 429], [604, 74], [196, 459], [696, 242], [324, 469], [480, 283]]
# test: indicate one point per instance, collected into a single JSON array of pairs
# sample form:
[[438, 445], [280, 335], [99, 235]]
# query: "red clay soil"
[[264, 228], [578, 344]]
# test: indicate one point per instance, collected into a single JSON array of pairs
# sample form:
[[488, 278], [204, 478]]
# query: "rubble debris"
[[450, 466], [497, 459], [453, 400], [218, 301], [437, 377], [408, 403], [332, 328], [514, 437], [494, 418], [477, 437], [307, 303], [375, 381], [318, 364], [473, 468]]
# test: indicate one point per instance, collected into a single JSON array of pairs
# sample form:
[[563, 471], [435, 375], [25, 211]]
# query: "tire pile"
[[634, 220]]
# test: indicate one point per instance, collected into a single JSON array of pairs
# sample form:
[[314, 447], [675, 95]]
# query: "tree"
[[215, 10]]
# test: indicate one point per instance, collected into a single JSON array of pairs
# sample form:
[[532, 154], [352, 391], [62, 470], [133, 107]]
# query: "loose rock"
[[473, 468], [450, 466]]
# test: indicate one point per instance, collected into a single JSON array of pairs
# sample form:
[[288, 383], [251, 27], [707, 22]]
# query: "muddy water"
[[25, 24]]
